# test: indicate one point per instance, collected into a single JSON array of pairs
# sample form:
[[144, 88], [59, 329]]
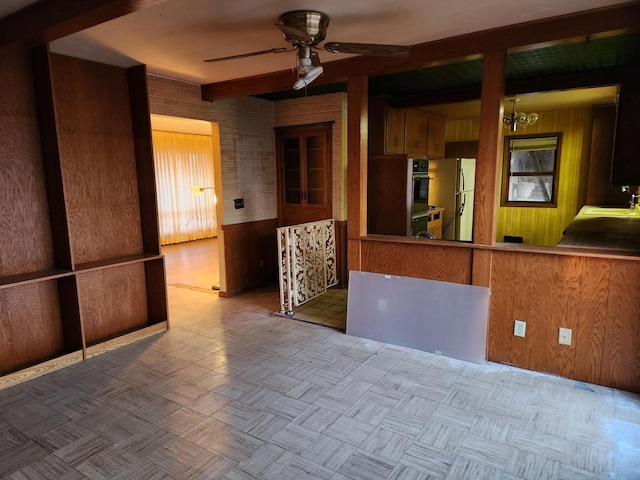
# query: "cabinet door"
[[291, 171], [416, 128], [435, 134], [304, 174], [626, 161], [389, 194], [395, 131]]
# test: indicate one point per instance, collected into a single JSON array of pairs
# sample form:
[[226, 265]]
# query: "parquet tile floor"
[[234, 392]]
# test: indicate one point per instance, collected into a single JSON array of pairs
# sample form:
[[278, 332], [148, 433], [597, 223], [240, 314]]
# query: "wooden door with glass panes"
[[304, 174]]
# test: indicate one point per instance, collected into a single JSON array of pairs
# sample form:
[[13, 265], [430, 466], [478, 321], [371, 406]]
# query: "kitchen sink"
[[608, 211]]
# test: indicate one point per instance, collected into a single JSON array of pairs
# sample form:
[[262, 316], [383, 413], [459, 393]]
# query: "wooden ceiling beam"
[[568, 81], [47, 20], [621, 17]]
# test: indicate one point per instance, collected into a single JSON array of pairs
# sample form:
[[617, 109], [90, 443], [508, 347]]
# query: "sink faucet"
[[634, 197]]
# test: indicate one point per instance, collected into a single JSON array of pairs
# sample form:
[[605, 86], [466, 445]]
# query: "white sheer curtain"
[[182, 161]]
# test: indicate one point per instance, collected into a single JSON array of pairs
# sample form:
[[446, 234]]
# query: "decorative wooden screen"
[[307, 262]]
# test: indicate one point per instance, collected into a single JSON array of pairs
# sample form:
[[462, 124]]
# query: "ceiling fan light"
[[304, 66], [307, 78]]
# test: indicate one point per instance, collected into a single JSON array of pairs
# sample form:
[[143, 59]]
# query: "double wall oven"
[[420, 196]]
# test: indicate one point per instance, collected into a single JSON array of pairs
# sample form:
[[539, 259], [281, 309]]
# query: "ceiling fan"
[[304, 30]]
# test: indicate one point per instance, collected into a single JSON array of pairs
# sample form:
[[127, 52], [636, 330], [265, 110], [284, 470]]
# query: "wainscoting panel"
[[250, 255], [433, 262]]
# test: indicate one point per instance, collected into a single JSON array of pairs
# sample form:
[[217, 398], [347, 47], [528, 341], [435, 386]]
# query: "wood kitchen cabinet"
[[626, 160], [304, 173], [436, 123], [416, 123], [600, 190], [417, 132], [386, 128], [389, 195], [395, 134]]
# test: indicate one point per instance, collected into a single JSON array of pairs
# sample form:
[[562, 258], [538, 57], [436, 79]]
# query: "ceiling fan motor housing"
[[304, 27]]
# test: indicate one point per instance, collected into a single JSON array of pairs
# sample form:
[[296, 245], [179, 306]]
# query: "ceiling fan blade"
[[295, 34], [367, 49], [252, 54]]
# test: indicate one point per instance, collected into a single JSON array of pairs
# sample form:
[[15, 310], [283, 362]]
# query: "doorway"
[[185, 153], [193, 264]]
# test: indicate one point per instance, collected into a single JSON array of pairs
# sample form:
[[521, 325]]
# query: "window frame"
[[507, 174]]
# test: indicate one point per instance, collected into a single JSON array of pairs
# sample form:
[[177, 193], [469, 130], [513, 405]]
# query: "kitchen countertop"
[[604, 227]]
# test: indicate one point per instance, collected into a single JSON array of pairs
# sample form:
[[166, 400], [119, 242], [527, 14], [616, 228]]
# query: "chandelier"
[[519, 118]]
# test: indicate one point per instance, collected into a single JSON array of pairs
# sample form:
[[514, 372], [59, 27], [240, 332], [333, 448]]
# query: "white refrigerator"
[[451, 186]]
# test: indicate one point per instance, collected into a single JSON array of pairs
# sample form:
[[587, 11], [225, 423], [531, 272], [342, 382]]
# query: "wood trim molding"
[[550, 30], [45, 21]]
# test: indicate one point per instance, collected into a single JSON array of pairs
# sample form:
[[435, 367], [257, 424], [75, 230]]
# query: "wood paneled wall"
[[462, 130], [79, 256], [97, 158], [104, 318], [31, 325], [432, 262], [250, 255], [597, 298], [544, 226], [25, 242]]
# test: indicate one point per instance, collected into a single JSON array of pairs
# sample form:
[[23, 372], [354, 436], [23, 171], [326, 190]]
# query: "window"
[[530, 170], [182, 161]]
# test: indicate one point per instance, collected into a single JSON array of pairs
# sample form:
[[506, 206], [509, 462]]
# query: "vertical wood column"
[[145, 169], [357, 135], [41, 64], [488, 162]]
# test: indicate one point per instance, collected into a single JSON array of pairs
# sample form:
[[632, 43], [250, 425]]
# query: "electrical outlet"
[[238, 203], [564, 337], [519, 328]]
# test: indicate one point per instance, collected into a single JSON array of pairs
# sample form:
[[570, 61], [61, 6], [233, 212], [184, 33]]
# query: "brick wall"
[[247, 144], [247, 141], [177, 99], [322, 108]]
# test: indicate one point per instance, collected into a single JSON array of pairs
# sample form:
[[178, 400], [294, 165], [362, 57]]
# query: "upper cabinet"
[[304, 174], [626, 160], [435, 134], [417, 132], [395, 135], [416, 122]]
